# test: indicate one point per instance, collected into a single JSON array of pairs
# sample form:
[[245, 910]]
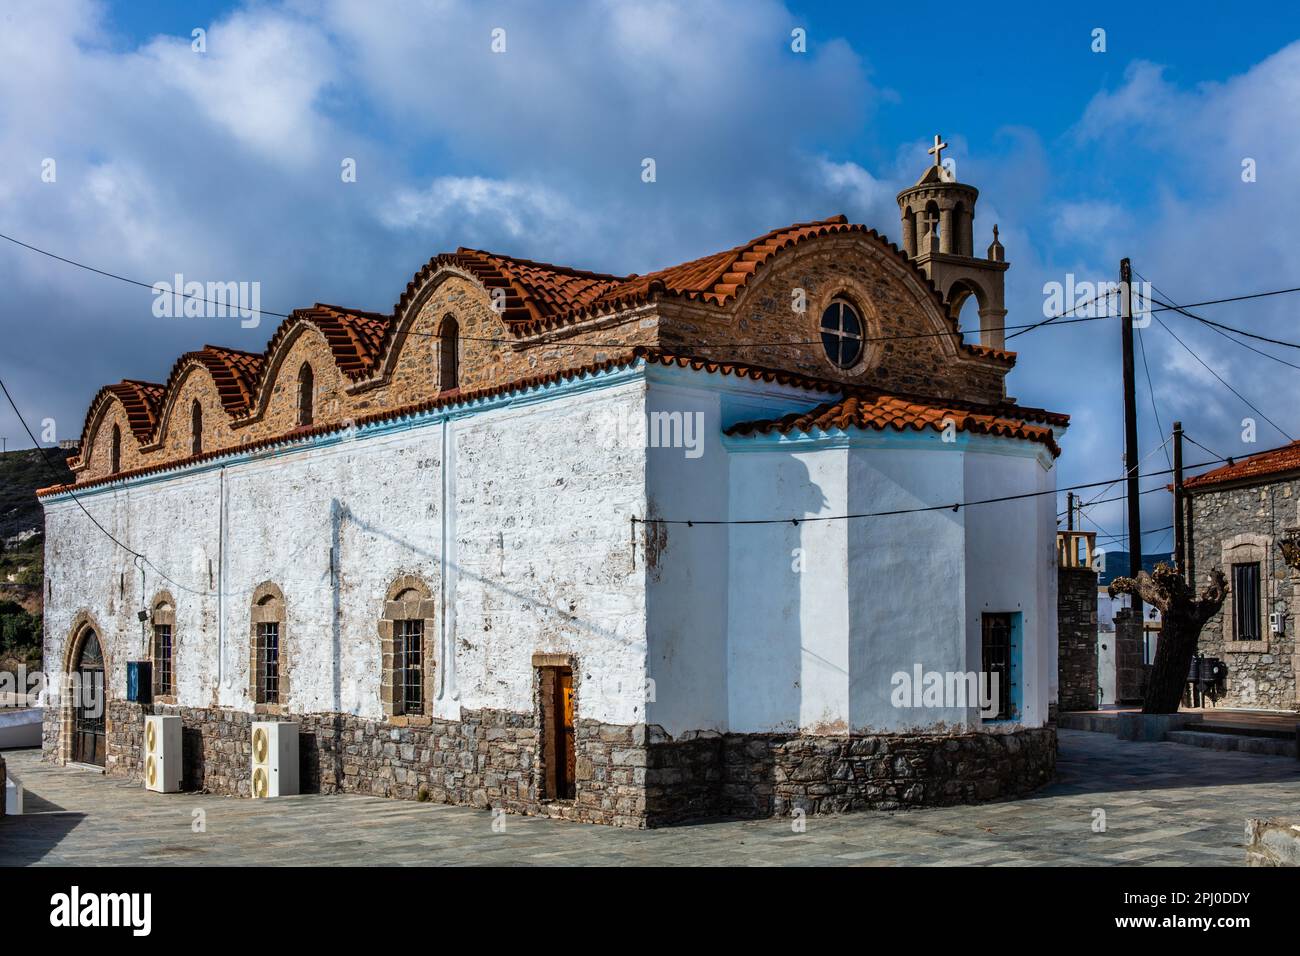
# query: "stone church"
[[625, 549]]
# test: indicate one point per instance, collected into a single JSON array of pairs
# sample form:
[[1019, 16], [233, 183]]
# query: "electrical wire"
[[955, 506]]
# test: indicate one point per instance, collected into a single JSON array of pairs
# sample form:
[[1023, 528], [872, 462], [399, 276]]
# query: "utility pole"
[[1180, 530], [1069, 511], [1131, 457]]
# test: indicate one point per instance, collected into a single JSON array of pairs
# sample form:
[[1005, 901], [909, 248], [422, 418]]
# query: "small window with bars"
[[162, 659], [1245, 602], [268, 662], [408, 648]]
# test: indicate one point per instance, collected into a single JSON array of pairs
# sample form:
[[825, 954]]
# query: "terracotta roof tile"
[[638, 354], [234, 372], [879, 412], [1264, 464]]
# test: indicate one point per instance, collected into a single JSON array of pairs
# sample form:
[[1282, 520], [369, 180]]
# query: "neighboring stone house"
[[497, 547], [1241, 517]]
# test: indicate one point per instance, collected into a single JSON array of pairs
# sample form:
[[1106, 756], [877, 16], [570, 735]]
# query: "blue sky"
[[226, 165]]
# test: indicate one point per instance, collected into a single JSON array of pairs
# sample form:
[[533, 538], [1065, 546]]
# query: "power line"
[[1227, 459], [1063, 318], [1222, 380], [562, 344], [1160, 429], [93, 520], [955, 506]]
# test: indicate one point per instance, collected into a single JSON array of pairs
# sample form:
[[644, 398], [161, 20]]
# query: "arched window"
[[406, 632], [449, 354], [164, 624], [115, 452], [196, 428], [931, 226], [268, 681], [306, 394], [842, 334]]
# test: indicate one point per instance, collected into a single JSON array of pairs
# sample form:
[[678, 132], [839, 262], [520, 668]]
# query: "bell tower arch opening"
[[938, 217]]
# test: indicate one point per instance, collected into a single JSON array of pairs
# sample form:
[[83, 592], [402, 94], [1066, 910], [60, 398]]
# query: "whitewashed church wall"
[[85, 571], [538, 557], [907, 578], [1011, 562], [545, 495], [694, 573], [787, 650]]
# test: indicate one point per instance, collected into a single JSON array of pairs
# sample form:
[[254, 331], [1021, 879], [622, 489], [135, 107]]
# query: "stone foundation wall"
[[758, 775], [487, 759], [629, 776], [1076, 628]]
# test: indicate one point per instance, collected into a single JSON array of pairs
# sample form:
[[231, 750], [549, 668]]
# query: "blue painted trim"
[[927, 440], [1017, 671]]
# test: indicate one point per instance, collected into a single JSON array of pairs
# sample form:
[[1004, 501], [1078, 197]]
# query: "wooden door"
[[88, 708], [565, 764]]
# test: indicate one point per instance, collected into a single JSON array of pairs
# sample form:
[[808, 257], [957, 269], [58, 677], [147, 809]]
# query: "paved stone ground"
[[1165, 804]]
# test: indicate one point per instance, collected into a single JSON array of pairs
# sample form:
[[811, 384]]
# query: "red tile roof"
[[462, 397], [234, 372], [1265, 464], [356, 338], [540, 296], [878, 412]]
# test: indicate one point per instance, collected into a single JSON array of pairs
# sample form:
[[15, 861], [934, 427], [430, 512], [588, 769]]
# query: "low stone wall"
[[758, 775], [630, 776]]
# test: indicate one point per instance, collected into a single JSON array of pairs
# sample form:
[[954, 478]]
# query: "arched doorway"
[[88, 701]]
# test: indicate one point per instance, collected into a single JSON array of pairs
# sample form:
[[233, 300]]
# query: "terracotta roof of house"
[[1265, 464], [877, 412], [640, 353]]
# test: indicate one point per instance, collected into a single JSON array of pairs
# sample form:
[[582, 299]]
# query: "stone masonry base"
[[630, 776]]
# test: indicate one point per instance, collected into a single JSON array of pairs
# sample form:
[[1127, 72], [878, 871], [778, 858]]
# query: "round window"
[[842, 334]]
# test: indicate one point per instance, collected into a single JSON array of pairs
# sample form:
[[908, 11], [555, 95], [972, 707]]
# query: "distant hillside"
[[22, 522], [21, 473], [1116, 565]]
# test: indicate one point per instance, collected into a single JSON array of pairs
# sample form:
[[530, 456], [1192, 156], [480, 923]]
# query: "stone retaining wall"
[[759, 775], [1076, 628], [626, 775]]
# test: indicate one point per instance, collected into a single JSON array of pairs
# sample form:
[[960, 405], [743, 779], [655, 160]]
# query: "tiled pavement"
[[1164, 804]]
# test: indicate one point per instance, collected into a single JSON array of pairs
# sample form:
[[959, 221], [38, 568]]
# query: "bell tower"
[[938, 216]]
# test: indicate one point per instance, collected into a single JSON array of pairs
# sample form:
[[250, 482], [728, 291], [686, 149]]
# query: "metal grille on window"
[[997, 659], [268, 662], [410, 662], [842, 334], [162, 655], [1245, 601]]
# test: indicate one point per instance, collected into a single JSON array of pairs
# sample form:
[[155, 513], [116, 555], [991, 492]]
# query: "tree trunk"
[[1182, 617], [1174, 652]]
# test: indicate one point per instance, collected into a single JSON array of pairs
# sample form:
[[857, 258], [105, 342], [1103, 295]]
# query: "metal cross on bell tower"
[[937, 149]]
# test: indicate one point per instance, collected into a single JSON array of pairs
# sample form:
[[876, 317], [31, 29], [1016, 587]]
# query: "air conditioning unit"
[[275, 758], [162, 753]]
